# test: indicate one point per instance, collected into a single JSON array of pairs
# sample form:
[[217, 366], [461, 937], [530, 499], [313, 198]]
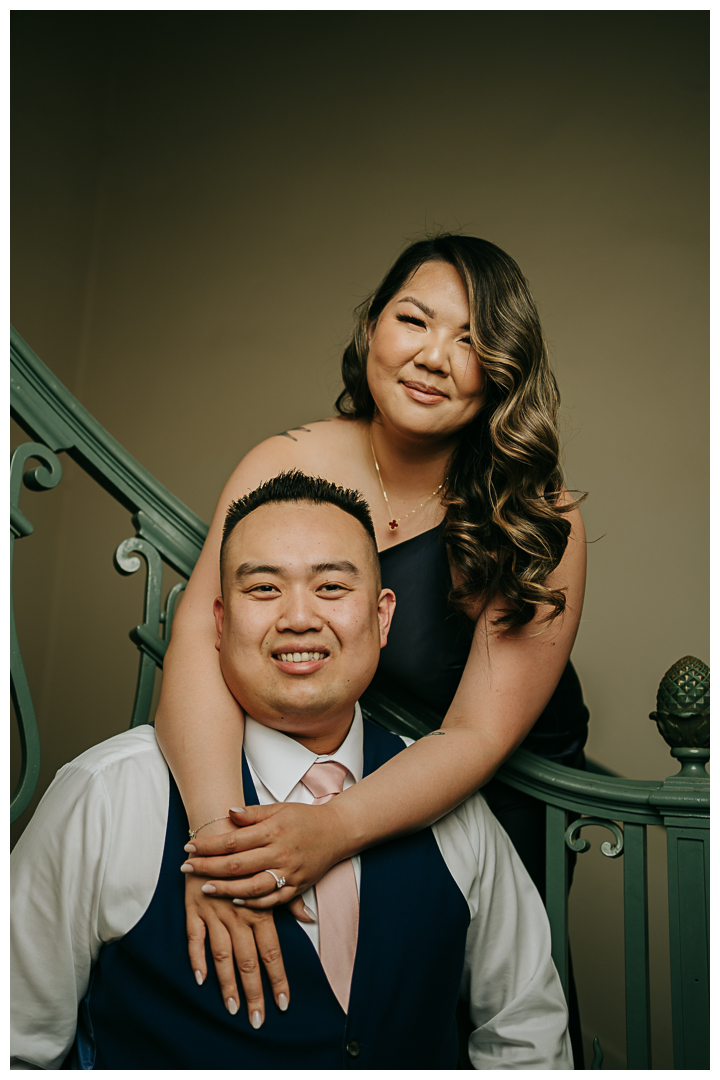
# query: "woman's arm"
[[199, 723], [508, 680], [199, 726]]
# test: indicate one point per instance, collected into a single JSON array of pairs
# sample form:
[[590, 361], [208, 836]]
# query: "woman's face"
[[423, 373]]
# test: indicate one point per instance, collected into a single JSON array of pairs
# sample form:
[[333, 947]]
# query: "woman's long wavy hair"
[[505, 526]]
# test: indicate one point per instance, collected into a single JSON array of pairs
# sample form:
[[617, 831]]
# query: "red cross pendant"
[[394, 524]]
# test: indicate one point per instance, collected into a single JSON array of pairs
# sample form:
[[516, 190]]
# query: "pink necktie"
[[336, 893]]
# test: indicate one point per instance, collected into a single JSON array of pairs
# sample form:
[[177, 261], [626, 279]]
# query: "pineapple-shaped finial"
[[683, 704]]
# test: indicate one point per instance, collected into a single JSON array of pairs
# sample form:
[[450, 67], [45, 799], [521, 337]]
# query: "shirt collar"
[[281, 762]]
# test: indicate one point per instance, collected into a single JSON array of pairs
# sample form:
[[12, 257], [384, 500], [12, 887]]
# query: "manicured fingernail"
[[187, 868], [231, 1006], [240, 903], [282, 1002], [310, 913], [198, 978], [209, 888], [256, 1020], [237, 809], [190, 848]]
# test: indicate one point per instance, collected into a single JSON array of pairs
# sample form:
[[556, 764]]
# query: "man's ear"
[[385, 609], [219, 613]]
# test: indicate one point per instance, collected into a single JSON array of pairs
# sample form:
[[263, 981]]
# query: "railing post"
[[637, 969], [683, 717], [556, 888], [688, 908]]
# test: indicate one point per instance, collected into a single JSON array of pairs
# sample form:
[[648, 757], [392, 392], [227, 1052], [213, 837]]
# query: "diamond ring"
[[279, 881]]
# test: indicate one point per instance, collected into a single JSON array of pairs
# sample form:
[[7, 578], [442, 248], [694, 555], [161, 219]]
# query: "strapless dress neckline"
[[429, 643], [418, 536]]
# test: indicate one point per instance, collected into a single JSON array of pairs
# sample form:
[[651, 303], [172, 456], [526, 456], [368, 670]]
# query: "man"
[[99, 960]]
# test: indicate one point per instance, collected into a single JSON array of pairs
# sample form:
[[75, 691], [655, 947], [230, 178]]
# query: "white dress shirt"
[[277, 765], [86, 868]]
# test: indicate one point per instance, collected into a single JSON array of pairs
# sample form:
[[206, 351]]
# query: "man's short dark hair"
[[295, 487]]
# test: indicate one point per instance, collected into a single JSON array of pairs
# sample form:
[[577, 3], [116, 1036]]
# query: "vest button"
[[353, 1049]]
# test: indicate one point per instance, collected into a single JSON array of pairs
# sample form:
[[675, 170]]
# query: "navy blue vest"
[[144, 1010]]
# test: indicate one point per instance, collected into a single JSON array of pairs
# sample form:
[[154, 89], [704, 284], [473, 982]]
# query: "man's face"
[[301, 623]]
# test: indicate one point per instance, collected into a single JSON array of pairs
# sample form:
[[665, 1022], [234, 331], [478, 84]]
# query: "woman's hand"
[[241, 932], [299, 848], [298, 842]]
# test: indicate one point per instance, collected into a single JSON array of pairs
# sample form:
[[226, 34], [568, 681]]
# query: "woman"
[[448, 427]]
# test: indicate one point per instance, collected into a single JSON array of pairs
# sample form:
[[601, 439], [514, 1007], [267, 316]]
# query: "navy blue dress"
[[430, 641], [425, 657]]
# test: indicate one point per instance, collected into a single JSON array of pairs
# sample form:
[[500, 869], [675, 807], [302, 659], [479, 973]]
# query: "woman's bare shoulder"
[[310, 447], [334, 432], [320, 448]]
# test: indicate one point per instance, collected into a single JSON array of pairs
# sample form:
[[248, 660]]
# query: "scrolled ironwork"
[[173, 599], [47, 411], [146, 635], [45, 476], [578, 843], [125, 563]]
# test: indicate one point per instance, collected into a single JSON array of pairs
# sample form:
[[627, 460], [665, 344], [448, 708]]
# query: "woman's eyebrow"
[[418, 303], [423, 307]]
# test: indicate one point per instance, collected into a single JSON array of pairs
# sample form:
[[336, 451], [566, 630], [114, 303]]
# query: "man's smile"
[[301, 660]]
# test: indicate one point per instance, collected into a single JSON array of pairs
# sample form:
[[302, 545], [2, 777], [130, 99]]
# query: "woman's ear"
[[370, 330]]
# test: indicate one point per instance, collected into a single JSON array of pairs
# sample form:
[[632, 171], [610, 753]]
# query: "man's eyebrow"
[[246, 568], [344, 566], [418, 303]]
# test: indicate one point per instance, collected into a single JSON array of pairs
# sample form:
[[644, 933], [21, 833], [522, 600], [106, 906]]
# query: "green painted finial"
[[683, 704]]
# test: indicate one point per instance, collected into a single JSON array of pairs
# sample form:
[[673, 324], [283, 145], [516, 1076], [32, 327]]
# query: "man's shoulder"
[[116, 789], [137, 748], [127, 769]]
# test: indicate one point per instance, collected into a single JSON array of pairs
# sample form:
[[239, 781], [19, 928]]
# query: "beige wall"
[[199, 201]]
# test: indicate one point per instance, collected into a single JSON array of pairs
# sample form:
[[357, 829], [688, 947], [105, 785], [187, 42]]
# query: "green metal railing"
[[575, 800], [166, 531]]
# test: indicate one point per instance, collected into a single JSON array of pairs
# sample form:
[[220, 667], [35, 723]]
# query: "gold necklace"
[[394, 522]]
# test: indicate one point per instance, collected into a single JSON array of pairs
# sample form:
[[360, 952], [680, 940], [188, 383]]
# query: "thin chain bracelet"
[[192, 833]]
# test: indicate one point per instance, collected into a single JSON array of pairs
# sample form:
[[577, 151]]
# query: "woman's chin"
[[421, 422]]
